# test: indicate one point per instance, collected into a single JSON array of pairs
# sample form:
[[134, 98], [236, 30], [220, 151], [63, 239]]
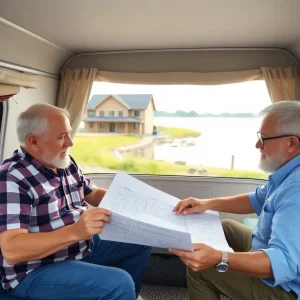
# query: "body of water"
[[220, 139]]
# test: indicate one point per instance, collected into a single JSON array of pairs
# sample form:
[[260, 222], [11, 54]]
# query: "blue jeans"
[[91, 278]]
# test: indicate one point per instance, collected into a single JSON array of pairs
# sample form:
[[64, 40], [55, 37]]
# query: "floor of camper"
[[165, 278], [155, 292]]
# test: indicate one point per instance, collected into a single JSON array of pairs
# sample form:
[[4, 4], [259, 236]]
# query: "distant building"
[[120, 114]]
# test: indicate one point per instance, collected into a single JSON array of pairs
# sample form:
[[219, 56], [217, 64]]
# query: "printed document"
[[144, 215]]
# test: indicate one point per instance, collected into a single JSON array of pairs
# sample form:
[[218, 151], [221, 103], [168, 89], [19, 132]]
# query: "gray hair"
[[34, 121], [287, 114]]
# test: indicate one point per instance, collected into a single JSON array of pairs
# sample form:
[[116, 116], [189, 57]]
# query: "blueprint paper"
[[144, 215]]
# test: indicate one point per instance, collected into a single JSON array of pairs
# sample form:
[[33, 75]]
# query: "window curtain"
[[283, 83], [11, 81], [180, 77], [74, 93], [76, 84]]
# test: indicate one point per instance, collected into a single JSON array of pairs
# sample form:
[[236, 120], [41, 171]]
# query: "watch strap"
[[224, 257]]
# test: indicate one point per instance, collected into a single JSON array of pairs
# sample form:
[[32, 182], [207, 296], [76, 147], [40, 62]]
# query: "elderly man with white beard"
[[50, 247], [266, 261]]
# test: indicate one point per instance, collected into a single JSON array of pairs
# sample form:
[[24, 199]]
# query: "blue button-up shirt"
[[277, 203]]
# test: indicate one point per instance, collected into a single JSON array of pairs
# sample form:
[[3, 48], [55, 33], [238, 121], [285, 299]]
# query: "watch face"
[[222, 267]]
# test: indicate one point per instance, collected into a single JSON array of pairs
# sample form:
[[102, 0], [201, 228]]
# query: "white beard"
[[272, 164], [59, 163]]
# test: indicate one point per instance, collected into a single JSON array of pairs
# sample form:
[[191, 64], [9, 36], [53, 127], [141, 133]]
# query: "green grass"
[[220, 172], [105, 141], [176, 133], [143, 166], [94, 152]]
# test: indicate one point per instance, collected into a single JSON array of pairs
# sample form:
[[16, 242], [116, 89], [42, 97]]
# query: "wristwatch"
[[222, 266]]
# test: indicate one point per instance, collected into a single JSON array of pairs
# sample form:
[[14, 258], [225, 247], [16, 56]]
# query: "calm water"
[[220, 139]]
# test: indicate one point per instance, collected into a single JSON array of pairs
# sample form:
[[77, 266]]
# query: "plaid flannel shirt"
[[35, 198]]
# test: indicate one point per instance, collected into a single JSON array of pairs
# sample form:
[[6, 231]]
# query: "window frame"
[[93, 113]]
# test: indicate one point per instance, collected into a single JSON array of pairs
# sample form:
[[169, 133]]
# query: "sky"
[[246, 97]]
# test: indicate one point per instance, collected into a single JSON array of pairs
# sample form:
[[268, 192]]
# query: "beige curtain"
[[74, 93], [76, 84], [282, 83], [11, 81], [180, 77]]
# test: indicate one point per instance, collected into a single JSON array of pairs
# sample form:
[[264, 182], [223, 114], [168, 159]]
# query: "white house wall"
[[111, 104]]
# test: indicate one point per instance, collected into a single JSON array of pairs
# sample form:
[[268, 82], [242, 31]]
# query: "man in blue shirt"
[[266, 262]]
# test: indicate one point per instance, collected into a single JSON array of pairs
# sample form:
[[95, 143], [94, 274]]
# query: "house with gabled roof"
[[120, 114]]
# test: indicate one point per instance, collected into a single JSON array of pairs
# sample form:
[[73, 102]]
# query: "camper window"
[[199, 130]]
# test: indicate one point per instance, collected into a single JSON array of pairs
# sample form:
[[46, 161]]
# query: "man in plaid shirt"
[[50, 248]]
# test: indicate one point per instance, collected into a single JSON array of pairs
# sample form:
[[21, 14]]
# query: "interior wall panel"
[[45, 93], [22, 49]]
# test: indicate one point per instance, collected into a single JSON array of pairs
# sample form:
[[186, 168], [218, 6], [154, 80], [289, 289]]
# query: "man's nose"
[[69, 142], [259, 144]]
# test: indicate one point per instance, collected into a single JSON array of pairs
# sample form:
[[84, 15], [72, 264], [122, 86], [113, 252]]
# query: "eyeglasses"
[[263, 139]]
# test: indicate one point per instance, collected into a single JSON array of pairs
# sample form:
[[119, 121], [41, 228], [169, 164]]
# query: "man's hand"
[[91, 222], [202, 258], [191, 206]]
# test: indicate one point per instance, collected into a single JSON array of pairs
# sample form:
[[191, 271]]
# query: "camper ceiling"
[[105, 25]]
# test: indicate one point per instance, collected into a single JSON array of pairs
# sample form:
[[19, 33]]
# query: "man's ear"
[[294, 143], [32, 141]]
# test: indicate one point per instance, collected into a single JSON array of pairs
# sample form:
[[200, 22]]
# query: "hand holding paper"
[[144, 215]]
